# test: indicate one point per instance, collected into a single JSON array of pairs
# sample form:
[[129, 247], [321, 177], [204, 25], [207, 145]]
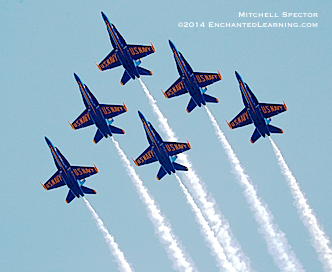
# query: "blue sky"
[[43, 44]]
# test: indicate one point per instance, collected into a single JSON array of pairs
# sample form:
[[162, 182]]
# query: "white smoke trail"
[[162, 227], [207, 204], [114, 248], [276, 240], [319, 239], [213, 243]]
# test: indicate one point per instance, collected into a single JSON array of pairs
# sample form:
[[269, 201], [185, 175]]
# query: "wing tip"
[[72, 126], [134, 161], [229, 125], [43, 186], [164, 93], [285, 107], [123, 132], [121, 83], [150, 73], [124, 106], [158, 178], [98, 66], [188, 144], [153, 49], [219, 75], [217, 100], [251, 141], [96, 168], [187, 111]]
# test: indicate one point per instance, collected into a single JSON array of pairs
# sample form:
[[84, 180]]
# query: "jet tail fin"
[[255, 136], [116, 130], [87, 190], [274, 129], [180, 167], [210, 99], [191, 105], [144, 72], [98, 136], [70, 196], [161, 173], [125, 78]]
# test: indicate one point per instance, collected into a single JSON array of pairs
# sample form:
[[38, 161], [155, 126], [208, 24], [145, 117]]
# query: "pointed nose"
[[171, 44]]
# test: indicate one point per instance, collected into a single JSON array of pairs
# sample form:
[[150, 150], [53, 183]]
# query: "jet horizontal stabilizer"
[[161, 173], [274, 129], [70, 196], [191, 105], [125, 78], [210, 99], [87, 190], [116, 130], [144, 72], [255, 136], [98, 136], [179, 167]]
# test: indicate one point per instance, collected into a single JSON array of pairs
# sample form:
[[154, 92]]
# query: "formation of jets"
[[102, 115]]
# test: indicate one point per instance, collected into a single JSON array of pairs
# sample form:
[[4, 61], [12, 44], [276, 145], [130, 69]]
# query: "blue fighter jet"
[[99, 114], [72, 176], [158, 150], [192, 82], [257, 113], [124, 54]]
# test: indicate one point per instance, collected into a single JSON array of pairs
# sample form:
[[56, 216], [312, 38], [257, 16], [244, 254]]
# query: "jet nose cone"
[[171, 44], [105, 18], [140, 115], [237, 76], [76, 77], [48, 141]]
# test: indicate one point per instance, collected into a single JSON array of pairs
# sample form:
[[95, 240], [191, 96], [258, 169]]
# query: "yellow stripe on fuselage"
[[153, 139], [58, 160], [249, 100], [113, 35], [86, 97], [178, 59]]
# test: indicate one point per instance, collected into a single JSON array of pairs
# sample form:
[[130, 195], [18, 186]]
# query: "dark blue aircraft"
[[158, 150], [124, 54], [257, 113], [72, 176], [192, 82], [99, 114]]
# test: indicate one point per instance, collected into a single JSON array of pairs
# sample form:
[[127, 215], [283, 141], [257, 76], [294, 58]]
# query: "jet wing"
[[54, 182], [176, 89], [110, 111], [83, 120], [204, 79], [174, 148], [140, 51], [146, 157], [84, 172], [110, 61], [269, 110], [242, 119]]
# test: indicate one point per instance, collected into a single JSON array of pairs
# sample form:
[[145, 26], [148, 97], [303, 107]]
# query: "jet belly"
[[163, 158], [99, 120], [259, 122], [128, 63]]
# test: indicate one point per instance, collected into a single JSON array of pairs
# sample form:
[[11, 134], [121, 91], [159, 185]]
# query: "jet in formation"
[[99, 114], [158, 150], [72, 176], [124, 54], [191, 82], [254, 112]]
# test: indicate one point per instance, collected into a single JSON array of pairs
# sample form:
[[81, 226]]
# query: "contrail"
[[207, 204], [181, 261], [276, 240], [213, 243], [114, 248], [319, 239]]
